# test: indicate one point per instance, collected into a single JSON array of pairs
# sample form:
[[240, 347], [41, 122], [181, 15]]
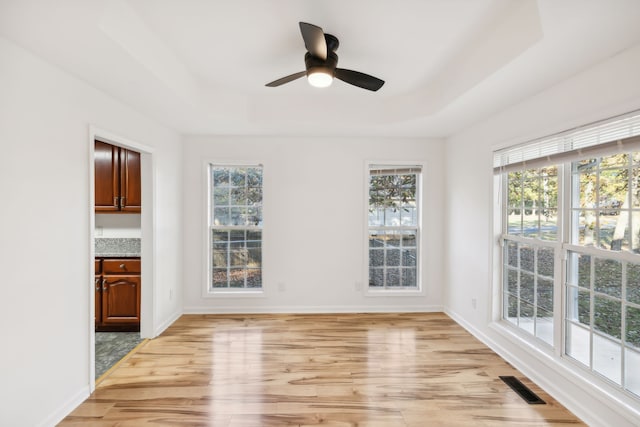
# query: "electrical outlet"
[[357, 286], [281, 287], [170, 294], [473, 303]]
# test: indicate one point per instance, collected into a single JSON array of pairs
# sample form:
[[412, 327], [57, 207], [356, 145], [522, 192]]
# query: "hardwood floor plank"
[[388, 369]]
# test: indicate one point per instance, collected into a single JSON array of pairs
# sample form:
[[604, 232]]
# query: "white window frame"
[[208, 291], [420, 238]]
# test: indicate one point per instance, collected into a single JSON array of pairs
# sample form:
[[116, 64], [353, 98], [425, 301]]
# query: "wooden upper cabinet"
[[117, 179], [130, 187]]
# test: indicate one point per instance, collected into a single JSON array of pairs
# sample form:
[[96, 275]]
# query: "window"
[[530, 248], [235, 228], [393, 227], [570, 210], [603, 279]]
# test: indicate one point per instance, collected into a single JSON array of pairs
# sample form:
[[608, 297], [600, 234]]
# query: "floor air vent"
[[516, 385]]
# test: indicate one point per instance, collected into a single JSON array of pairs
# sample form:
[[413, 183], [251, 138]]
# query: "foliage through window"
[[393, 227], [235, 227]]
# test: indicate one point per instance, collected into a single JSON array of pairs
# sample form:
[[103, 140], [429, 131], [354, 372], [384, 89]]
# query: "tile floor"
[[113, 346]]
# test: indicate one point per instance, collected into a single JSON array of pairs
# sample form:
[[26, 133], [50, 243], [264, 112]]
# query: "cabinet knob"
[[122, 266]]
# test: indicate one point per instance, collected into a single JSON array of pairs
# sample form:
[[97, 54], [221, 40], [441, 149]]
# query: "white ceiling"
[[200, 66]]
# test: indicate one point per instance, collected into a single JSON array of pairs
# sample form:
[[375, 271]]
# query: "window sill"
[[522, 338], [257, 293], [393, 292]]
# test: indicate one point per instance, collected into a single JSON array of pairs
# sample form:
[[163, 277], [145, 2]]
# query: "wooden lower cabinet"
[[118, 296], [121, 300]]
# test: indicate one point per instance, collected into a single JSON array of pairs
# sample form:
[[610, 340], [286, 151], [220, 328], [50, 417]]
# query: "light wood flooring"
[[305, 370]]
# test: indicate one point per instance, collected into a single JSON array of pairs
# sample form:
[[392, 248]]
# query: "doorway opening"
[[121, 242]]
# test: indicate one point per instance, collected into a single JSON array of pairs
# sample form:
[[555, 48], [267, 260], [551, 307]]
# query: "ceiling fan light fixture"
[[319, 78]]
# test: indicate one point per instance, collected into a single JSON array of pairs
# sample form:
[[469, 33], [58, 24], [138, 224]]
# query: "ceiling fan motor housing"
[[315, 64]]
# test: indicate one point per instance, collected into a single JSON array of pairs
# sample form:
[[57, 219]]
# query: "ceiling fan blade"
[[286, 79], [359, 79], [314, 41]]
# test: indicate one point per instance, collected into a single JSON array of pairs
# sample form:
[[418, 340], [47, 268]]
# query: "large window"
[[394, 226], [235, 228], [570, 210]]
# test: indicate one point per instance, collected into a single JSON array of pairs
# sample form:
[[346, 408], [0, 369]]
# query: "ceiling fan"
[[321, 63]]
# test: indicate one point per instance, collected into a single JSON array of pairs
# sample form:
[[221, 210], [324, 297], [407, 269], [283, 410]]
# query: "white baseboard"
[[65, 409], [311, 309], [555, 378], [164, 325]]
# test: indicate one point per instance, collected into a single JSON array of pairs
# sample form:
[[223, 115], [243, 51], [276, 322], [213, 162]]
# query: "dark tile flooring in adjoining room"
[[113, 346]]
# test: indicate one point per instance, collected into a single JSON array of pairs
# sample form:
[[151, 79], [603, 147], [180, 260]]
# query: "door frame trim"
[[147, 226]]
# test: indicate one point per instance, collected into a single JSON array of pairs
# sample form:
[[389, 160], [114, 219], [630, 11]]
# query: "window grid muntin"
[[381, 274], [239, 193]]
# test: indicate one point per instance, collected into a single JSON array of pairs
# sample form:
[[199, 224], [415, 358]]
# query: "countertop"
[[117, 247]]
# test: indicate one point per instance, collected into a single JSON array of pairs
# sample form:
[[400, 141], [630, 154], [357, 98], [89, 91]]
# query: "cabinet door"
[[98, 300], [120, 300], [106, 177], [130, 185]]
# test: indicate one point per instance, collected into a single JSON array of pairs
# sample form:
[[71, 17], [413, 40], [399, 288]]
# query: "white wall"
[[606, 89], [118, 225], [45, 116], [314, 219]]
